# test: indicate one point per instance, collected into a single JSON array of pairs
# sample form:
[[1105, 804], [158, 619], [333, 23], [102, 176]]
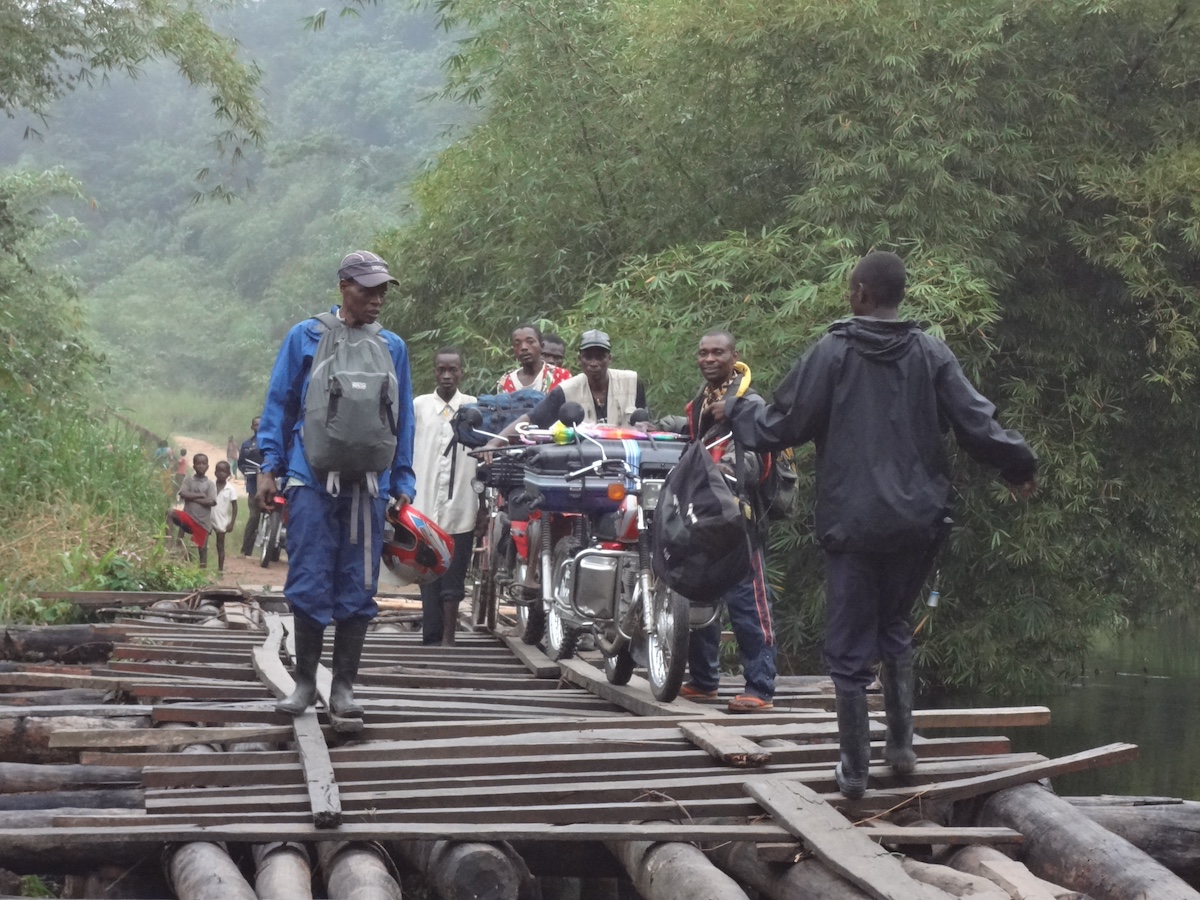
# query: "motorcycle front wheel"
[[667, 643], [561, 637]]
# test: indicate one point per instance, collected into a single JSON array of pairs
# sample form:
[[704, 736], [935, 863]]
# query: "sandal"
[[748, 703], [690, 692]]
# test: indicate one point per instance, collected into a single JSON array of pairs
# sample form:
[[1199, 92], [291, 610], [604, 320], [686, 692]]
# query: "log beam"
[[673, 871], [1064, 846]]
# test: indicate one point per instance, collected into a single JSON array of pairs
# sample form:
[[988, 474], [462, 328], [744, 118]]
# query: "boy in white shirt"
[[224, 514]]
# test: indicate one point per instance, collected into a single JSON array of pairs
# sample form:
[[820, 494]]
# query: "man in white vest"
[[607, 395], [444, 492]]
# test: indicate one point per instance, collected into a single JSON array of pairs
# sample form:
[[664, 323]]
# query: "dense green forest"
[[660, 167]]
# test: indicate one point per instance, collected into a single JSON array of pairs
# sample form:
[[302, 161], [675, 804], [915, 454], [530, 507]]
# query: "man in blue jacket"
[[875, 395], [330, 577]]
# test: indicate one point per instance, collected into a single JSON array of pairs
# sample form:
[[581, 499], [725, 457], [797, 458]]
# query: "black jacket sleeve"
[[973, 418], [799, 408]]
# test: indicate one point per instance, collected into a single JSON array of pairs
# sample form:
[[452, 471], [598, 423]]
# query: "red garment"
[[191, 526], [547, 380]]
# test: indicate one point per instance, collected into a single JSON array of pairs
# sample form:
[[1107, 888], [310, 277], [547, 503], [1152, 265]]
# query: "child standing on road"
[[224, 514], [199, 496]]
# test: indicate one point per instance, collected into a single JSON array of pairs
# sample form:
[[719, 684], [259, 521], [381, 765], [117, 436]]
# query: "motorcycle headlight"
[[650, 491]]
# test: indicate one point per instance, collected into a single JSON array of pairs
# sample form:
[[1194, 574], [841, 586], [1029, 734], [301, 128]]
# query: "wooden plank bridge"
[[487, 742]]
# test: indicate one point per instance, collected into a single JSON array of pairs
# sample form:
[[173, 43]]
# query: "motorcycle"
[[602, 487], [272, 531]]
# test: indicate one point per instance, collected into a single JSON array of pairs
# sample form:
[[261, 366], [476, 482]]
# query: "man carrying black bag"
[[731, 567]]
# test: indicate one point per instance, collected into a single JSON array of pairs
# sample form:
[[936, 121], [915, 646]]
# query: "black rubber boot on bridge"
[[855, 737], [898, 684], [348, 638], [309, 639]]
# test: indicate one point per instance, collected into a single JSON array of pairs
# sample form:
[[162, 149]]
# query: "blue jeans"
[[868, 601], [328, 580], [749, 606]]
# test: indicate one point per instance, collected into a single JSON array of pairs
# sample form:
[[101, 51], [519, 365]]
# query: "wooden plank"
[[724, 745], [537, 662], [166, 737], [886, 833], [319, 779], [1108, 755], [61, 680], [843, 848], [635, 696], [17, 839], [536, 789], [1001, 717]]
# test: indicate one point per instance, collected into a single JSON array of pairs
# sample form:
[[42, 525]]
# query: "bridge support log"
[[355, 870], [25, 778], [26, 739], [1064, 846], [809, 878], [282, 872], [462, 870], [1165, 829], [203, 871], [673, 871], [59, 643]]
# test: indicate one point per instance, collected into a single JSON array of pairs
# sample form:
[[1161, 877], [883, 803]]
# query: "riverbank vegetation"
[[657, 168]]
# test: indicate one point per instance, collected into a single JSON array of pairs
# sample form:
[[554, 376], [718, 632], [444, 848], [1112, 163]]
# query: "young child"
[[875, 395], [224, 514], [199, 496]]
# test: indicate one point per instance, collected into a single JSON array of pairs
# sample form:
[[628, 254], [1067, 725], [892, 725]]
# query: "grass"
[[81, 507], [193, 413]]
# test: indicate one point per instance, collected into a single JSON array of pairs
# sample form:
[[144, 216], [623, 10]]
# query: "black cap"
[[366, 268], [594, 338]]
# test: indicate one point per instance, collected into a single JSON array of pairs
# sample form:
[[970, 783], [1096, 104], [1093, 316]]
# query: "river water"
[[1141, 687]]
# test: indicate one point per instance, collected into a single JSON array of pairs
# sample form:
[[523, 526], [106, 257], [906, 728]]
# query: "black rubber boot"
[[309, 639], [898, 684], [348, 637], [855, 737]]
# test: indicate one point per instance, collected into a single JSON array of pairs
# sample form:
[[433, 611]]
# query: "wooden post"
[[354, 870], [673, 871], [283, 872], [202, 871], [1064, 846]]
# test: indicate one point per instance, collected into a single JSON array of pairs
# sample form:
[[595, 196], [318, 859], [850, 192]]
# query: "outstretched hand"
[[1025, 489]]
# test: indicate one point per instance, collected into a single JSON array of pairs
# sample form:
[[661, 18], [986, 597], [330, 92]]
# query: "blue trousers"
[[448, 586], [868, 600], [749, 606], [326, 572]]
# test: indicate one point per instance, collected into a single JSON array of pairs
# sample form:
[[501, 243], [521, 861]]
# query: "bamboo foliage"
[[658, 167]]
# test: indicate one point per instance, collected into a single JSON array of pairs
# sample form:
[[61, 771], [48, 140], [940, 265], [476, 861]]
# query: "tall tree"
[[681, 166]]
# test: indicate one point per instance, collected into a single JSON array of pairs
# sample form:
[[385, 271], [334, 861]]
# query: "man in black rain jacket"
[[875, 395]]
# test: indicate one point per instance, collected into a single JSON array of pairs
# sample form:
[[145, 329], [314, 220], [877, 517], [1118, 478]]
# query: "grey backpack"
[[351, 406]]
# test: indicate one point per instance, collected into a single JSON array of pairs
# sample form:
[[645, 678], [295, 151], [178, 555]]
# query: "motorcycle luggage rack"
[[504, 473]]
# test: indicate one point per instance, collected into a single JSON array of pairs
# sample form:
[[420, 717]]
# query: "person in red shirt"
[[533, 372]]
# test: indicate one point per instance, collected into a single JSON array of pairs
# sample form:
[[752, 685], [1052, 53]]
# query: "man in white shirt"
[[444, 492]]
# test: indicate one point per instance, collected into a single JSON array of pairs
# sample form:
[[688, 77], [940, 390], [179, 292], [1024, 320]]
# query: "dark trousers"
[[251, 531], [868, 600], [447, 587], [749, 607]]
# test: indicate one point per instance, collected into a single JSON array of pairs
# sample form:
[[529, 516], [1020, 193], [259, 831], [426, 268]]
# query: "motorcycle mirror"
[[473, 416], [638, 416], [571, 414]]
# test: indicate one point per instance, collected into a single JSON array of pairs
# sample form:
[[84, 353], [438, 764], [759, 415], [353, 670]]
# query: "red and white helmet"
[[414, 548]]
